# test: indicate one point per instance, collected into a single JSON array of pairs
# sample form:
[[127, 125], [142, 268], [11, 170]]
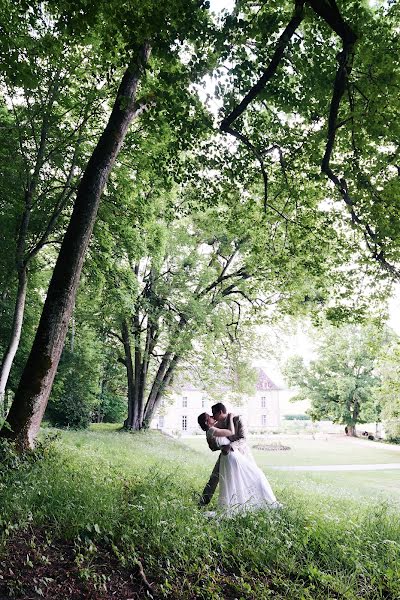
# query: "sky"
[[217, 5]]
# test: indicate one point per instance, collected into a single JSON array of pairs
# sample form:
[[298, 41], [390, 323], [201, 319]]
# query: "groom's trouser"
[[210, 488]]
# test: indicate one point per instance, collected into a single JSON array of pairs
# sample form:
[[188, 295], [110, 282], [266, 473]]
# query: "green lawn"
[[369, 486], [100, 504], [327, 450]]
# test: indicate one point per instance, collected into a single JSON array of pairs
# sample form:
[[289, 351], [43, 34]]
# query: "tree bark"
[[31, 398], [72, 341], [15, 334], [162, 380], [128, 423], [351, 430], [150, 340], [100, 415], [137, 375], [137, 398]]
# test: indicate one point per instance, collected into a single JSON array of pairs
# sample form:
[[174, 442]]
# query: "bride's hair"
[[201, 419]]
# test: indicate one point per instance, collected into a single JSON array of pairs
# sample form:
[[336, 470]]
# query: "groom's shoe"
[[203, 501]]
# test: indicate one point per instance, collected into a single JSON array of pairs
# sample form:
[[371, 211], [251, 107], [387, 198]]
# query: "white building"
[[179, 413]]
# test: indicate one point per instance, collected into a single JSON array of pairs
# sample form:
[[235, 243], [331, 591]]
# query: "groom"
[[238, 443]]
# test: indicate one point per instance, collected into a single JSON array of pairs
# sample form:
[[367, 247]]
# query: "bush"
[[75, 391], [392, 431], [112, 408], [12, 459], [297, 417]]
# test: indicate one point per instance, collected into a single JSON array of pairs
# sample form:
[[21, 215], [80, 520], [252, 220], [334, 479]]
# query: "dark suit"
[[238, 443]]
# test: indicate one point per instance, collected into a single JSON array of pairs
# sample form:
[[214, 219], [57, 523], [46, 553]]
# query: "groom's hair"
[[201, 419], [218, 408]]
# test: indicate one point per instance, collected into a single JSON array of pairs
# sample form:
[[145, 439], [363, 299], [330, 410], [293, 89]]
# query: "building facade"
[[178, 414]]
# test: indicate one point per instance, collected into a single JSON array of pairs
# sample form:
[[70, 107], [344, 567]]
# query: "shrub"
[[75, 391], [297, 417]]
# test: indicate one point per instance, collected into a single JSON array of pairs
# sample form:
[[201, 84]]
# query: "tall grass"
[[137, 493]]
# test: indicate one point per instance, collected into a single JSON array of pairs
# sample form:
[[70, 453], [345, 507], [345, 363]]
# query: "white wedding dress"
[[242, 483]]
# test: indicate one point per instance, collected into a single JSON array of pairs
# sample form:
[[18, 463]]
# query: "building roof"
[[184, 383], [264, 383]]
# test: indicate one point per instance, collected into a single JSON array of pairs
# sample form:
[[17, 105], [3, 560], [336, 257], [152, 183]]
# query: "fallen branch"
[[142, 574]]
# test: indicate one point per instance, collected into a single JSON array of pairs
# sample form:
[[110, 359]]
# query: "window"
[[161, 421], [184, 402], [263, 402], [184, 423], [263, 420]]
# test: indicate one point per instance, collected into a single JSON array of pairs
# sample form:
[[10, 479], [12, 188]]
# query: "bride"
[[242, 484]]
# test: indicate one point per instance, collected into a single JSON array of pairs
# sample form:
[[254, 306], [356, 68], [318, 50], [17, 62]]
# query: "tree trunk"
[[163, 378], [132, 409], [15, 334], [355, 413], [157, 384], [164, 374], [145, 366], [137, 398], [30, 401], [351, 430], [135, 371], [99, 417], [137, 424]]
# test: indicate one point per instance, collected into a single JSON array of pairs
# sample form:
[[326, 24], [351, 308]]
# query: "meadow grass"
[[138, 495]]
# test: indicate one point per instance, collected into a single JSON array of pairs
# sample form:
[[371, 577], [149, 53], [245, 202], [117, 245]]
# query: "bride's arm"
[[217, 432]]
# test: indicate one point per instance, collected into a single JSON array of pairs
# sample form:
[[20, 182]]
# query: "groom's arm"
[[214, 446], [239, 438]]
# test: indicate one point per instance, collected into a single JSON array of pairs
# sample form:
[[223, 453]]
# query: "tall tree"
[[388, 392], [206, 267], [50, 107], [149, 27], [342, 381]]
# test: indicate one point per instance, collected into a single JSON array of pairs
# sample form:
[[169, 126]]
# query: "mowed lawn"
[[373, 486]]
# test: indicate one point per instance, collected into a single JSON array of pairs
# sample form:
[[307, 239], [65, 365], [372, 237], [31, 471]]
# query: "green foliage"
[[388, 392], [300, 417], [342, 381], [12, 459], [58, 81], [188, 243], [287, 122], [111, 407], [199, 264], [76, 387]]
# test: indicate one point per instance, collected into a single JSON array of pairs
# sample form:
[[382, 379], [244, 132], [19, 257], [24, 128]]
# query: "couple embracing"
[[242, 484]]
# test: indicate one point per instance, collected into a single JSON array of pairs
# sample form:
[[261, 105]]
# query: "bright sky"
[[217, 5]]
